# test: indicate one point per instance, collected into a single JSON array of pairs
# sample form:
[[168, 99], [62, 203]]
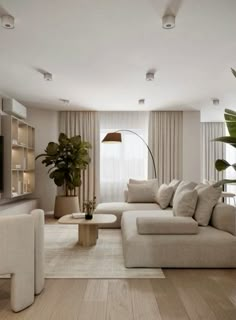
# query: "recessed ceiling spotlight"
[[168, 22], [8, 22], [150, 75], [47, 76], [65, 101], [141, 101], [215, 101]]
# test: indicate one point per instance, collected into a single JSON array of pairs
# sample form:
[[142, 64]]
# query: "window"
[[121, 161]]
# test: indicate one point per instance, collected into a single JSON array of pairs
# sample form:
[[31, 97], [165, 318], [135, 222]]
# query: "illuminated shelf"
[[19, 157]]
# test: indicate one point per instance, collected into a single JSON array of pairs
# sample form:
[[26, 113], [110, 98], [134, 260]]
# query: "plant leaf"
[[221, 164], [234, 72], [227, 139], [224, 181]]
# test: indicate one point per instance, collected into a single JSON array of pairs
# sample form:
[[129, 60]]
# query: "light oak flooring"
[[183, 295]]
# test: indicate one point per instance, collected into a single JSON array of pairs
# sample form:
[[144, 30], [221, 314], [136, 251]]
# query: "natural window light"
[[121, 161]]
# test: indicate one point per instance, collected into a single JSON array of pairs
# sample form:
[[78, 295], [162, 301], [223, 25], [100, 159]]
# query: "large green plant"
[[66, 160], [230, 120]]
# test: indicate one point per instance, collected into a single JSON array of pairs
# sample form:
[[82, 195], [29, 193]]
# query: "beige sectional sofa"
[[198, 232], [213, 246]]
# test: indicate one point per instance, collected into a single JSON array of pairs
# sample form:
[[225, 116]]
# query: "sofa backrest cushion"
[[134, 181], [224, 218], [166, 225], [184, 185], [164, 195], [142, 192], [185, 203], [174, 183], [208, 197]]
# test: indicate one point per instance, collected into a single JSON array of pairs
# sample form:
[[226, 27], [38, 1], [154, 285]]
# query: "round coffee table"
[[88, 229]]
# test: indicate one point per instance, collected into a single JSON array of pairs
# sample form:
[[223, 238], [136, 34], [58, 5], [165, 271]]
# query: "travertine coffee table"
[[88, 229]]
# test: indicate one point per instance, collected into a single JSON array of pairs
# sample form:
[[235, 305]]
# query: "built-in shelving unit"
[[19, 157]]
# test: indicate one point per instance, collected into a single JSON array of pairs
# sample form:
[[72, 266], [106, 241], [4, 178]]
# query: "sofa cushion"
[[142, 192], [185, 203], [134, 181], [208, 197], [166, 225], [164, 195], [224, 218], [184, 185], [174, 183], [117, 208]]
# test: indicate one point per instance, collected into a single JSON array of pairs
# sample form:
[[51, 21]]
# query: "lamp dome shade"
[[112, 137]]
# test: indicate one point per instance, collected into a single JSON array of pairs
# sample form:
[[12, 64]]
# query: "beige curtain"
[[86, 124], [165, 141], [210, 150]]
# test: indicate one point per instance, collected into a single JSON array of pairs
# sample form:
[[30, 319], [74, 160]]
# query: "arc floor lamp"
[[115, 137]]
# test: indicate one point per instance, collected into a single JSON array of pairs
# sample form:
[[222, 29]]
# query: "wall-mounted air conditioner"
[[13, 107]]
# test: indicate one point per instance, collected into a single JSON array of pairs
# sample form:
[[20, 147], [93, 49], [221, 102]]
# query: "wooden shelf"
[[19, 157]]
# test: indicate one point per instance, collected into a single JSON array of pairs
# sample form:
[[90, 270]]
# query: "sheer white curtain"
[[230, 173], [210, 150], [121, 161]]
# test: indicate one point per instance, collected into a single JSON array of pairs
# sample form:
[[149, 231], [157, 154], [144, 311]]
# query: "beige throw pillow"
[[142, 193], [164, 195], [134, 181], [184, 185], [208, 197], [185, 203], [174, 183]]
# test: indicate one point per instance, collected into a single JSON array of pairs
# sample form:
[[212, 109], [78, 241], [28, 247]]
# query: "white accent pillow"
[[208, 197], [142, 193], [185, 203], [174, 183], [164, 195]]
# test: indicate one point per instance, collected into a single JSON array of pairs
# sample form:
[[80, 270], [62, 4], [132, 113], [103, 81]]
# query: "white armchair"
[[21, 255]]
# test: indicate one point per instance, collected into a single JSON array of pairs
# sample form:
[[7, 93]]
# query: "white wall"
[[191, 146], [46, 130], [212, 114]]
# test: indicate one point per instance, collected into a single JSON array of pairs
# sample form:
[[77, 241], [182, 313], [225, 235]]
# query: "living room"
[[160, 74]]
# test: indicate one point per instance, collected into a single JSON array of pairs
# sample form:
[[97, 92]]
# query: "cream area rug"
[[65, 258]]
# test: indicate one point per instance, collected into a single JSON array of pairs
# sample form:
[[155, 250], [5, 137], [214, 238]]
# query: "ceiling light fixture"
[[150, 75], [168, 22], [141, 101], [65, 101], [215, 101], [47, 76], [8, 22]]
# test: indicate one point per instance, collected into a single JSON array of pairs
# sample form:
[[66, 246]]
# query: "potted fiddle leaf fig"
[[66, 159]]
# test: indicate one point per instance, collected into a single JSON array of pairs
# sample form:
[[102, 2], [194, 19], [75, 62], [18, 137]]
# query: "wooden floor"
[[184, 294]]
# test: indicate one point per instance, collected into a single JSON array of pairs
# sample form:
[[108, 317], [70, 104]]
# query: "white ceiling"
[[100, 51]]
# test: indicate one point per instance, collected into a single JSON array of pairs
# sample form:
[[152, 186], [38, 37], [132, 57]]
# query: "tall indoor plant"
[[66, 160]]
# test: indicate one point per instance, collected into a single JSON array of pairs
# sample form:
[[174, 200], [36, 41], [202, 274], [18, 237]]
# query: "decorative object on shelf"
[[88, 208], [115, 137], [66, 160]]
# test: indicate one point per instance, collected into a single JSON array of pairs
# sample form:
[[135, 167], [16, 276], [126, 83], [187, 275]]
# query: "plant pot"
[[65, 205], [88, 216]]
